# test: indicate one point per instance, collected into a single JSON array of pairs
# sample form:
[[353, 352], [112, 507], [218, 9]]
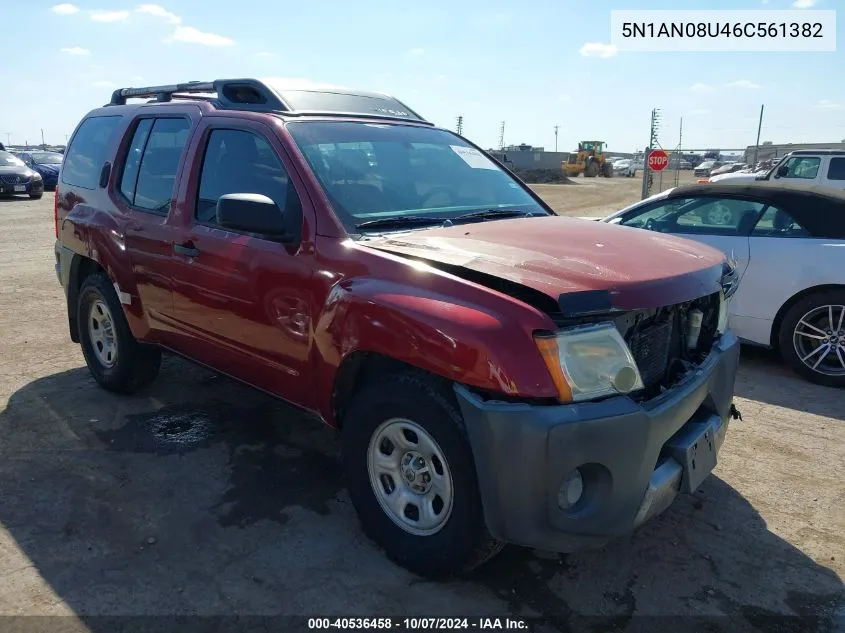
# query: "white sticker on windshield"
[[473, 157]]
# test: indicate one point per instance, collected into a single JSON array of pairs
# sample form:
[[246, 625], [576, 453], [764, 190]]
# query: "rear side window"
[[152, 162], [777, 222], [133, 159], [87, 152], [836, 171]]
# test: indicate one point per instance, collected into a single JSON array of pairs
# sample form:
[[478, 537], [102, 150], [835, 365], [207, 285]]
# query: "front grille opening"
[[659, 344]]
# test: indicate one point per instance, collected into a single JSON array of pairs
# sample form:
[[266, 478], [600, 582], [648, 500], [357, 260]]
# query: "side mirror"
[[782, 172], [252, 213]]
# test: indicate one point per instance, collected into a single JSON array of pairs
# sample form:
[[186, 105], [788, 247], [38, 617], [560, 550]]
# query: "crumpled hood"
[[561, 256]]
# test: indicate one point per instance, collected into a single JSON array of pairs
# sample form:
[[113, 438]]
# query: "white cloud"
[[804, 4], [563, 98], [416, 52], [597, 49], [158, 11], [265, 54], [65, 9], [700, 87], [744, 84], [827, 104], [104, 84], [440, 78], [76, 50], [109, 16], [190, 35], [136, 79]]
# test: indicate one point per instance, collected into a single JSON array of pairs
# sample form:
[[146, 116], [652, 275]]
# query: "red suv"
[[497, 373]]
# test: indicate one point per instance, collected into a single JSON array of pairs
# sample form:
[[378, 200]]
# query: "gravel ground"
[[203, 497]]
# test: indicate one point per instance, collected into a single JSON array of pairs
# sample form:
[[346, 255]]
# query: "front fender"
[[458, 340]]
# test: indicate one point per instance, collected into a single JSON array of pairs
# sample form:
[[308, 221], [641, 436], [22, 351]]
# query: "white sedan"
[[625, 167], [788, 245]]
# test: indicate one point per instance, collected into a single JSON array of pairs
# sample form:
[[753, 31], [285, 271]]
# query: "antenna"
[[460, 127], [502, 136], [556, 129]]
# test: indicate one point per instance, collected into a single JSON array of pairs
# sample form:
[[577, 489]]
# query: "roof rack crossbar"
[[259, 96], [160, 93]]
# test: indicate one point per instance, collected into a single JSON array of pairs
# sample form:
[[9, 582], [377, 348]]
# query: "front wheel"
[[117, 361], [812, 338], [411, 476]]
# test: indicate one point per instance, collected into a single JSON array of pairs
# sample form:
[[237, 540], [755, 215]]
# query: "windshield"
[[8, 160], [374, 171], [46, 158]]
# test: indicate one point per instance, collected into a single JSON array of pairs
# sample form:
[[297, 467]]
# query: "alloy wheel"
[[819, 339]]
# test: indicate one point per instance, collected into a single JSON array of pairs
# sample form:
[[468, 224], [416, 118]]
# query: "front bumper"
[[22, 188], [634, 458]]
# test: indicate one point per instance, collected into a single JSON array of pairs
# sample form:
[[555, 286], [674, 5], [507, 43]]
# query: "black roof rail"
[[269, 96]]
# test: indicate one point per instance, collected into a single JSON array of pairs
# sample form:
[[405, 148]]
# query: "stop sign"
[[658, 160]]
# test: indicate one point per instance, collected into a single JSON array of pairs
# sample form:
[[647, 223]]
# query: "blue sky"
[[490, 61]]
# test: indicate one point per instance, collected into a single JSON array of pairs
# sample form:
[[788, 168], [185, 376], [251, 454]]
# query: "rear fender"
[[96, 236]]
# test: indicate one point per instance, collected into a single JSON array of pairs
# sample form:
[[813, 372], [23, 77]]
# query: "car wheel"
[[719, 215], [35, 196], [117, 361], [411, 476], [812, 338]]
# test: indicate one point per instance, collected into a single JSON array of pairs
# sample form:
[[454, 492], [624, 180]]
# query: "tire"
[[132, 365], [35, 196], [591, 170], [607, 170], [796, 340], [460, 542]]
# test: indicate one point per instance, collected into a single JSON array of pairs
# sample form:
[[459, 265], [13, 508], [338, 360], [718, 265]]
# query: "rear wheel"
[[812, 338], [411, 476], [117, 361]]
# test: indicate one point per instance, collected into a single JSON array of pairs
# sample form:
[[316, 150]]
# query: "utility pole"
[[460, 127], [680, 153], [759, 129], [652, 142], [9, 139], [502, 136], [43, 144], [556, 128]]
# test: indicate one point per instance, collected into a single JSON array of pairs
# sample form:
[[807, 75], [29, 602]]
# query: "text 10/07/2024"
[[410, 624]]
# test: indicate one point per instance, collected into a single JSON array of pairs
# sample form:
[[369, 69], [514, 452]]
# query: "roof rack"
[[276, 97]]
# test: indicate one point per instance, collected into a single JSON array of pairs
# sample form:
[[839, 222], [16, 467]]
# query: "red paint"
[[284, 318], [658, 160]]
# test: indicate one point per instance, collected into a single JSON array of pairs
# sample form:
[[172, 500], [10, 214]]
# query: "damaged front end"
[[666, 343]]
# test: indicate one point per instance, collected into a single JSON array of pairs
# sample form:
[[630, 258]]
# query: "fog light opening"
[[571, 490]]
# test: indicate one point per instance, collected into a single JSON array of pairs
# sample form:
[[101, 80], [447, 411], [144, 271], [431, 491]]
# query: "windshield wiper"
[[399, 221], [490, 213]]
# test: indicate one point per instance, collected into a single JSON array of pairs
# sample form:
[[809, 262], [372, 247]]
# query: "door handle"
[[186, 248]]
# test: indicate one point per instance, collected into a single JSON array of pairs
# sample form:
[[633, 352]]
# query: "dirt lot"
[[601, 196], [203, 497]]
